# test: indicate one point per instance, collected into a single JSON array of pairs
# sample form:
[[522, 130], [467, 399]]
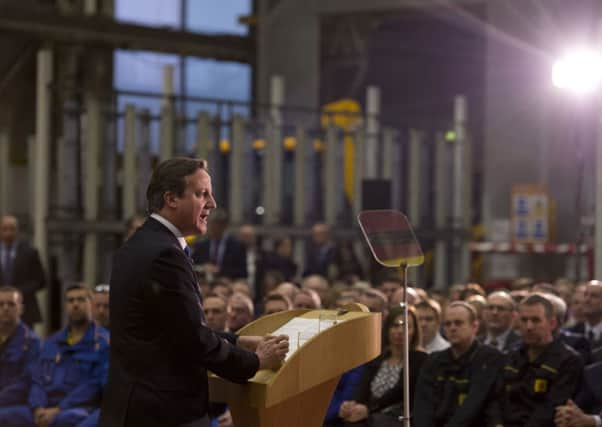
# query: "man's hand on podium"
[[271, 351]]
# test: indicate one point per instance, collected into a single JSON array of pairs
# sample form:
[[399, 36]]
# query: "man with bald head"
[[20, 267]]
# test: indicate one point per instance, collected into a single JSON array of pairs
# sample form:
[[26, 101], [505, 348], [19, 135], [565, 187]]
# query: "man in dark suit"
[[221, 254], [499, 315], [161, 347], [20, 267], [320, 254], [592, 310]]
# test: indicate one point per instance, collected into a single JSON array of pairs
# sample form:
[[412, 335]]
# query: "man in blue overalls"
[[66, 380], [19, 350]]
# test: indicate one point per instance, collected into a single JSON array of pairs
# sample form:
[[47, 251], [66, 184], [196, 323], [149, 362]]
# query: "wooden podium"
[[298, 394]]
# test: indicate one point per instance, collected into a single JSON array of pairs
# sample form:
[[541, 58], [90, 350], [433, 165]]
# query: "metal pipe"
[[360, 170], [4, 172], [129, 163], [330, 176], [598, 187], [203, 135], [43, 135], [300, 177], [236, 170], [414, 182], [167, 115], [459, 197], [273, 159], [406, 351], [91, 182], [440, 273], [372, 130], [144, 157]]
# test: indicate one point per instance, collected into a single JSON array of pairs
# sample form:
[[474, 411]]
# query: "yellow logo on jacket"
[[540, 385]]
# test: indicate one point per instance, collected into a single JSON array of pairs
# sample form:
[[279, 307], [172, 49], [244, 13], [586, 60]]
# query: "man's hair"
[[170, 176], [472, 312], [275, 296], [248, 302], [430, 304], [534, 299], [79, 287], [506, 296], [375, 294], [560, 308], [12, 289]]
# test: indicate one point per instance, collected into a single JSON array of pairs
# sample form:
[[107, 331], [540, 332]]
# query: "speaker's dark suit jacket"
[[232, 262], [161, 347], [28, 276]]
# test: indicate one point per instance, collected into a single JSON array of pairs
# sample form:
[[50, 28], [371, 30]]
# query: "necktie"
[[493, 343], [590, 336], [187, 251]]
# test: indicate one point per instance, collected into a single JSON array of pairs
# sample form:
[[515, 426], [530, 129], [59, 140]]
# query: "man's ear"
[[170, 199]]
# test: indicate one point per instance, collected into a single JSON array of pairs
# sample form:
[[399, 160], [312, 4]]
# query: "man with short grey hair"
[[498, 315]]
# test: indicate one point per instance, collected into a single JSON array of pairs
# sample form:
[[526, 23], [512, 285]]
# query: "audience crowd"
[[526, 355]]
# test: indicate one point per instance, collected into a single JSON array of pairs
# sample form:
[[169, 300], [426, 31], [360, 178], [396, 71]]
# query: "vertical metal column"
[[372, 131], [387, 153], [414, 181], [414, 193], [91, 153], [330, 176], [144, 159], [300, 178], [68, 180], [129, 185], [389, 164], [598, 187], [272, 167], [31, 168], [166, 145], [203, 136], [43, 135], [440, 268], [360, 169], [301, 191], [237, 169], [4, 172], [461, 219]]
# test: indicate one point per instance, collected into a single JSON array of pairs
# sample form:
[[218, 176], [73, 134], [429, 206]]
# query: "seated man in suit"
[[221, 254], [591, 328], [19, 350], [586, 410], [67, 378], [499, 314]]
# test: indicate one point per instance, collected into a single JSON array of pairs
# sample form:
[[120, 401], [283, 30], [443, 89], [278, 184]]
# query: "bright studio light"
[[579, 72]]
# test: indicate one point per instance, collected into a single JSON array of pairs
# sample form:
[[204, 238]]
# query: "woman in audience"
[[379, 395]]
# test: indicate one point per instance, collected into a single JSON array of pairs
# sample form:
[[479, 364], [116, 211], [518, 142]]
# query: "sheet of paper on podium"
[[300, 330]]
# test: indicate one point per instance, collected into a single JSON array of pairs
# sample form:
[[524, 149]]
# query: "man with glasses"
[[19, 349], [499, 316], [100, 305], [456, 386]]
